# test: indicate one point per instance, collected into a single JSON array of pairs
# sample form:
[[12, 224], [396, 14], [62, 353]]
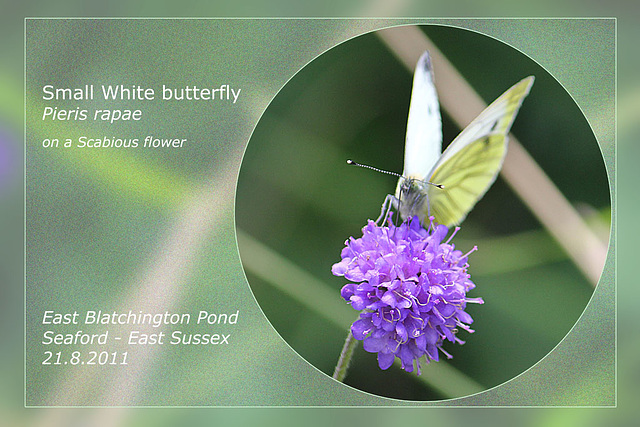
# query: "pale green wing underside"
[[473, 160]]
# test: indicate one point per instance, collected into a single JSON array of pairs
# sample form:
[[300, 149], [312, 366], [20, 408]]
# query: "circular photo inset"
[[406, 307]]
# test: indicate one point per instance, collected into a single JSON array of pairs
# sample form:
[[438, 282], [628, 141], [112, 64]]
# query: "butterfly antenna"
[[351, 162]]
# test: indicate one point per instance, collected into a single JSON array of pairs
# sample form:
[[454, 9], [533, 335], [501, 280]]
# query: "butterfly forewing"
[[495, 119], [423, 144]]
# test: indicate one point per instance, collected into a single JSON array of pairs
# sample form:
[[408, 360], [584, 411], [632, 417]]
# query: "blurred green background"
[[298, 198], [11, 109]]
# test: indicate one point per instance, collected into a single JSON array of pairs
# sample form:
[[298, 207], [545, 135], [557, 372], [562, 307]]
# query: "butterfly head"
[[412, 195]]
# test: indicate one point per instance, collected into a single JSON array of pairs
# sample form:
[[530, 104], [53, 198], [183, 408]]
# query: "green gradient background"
[[628, 107]]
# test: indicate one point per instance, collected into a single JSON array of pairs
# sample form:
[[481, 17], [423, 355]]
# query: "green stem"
[[345, 357]]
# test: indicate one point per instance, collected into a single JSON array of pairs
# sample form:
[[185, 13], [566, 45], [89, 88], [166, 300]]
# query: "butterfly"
[[448, 185]]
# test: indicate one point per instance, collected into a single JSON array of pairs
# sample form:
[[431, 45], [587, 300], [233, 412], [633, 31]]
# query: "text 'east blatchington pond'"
[[98, 337]]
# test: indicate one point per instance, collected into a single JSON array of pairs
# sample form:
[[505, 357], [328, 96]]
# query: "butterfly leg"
[[389, 202]]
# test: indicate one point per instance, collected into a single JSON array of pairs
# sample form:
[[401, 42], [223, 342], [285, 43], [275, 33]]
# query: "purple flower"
[[410, 288]]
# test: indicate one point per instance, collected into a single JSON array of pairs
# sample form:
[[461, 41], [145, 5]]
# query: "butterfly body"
[[448, 185]]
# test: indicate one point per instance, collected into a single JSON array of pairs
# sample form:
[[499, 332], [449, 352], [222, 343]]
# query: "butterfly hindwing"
[[473, 160], [465, 177]]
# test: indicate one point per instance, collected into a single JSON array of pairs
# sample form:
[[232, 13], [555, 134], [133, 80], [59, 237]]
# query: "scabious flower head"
[[410, 288]]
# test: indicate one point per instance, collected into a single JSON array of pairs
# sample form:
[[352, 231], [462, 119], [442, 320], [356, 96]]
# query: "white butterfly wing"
[[423, 144]]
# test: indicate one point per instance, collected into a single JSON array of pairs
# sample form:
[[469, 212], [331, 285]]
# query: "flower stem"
[[345, 357]]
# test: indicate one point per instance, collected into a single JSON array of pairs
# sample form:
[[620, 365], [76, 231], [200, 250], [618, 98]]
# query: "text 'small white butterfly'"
[[469, 165]]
